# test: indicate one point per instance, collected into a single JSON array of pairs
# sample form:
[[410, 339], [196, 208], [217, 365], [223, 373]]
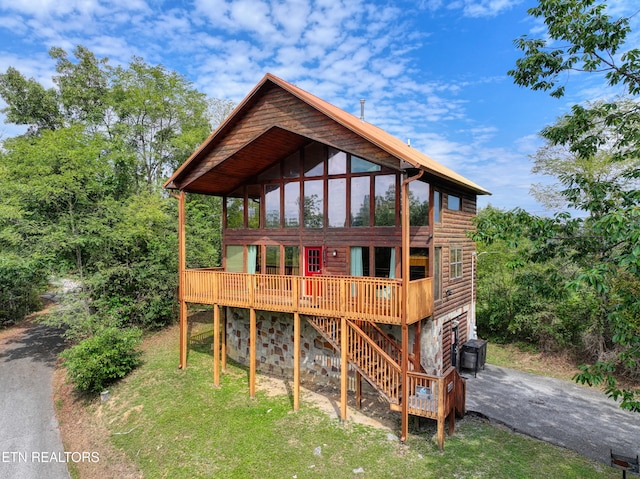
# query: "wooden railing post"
[[295, 292], [251, 289]]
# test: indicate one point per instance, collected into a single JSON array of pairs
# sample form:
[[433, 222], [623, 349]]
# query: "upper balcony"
[[354, 297]]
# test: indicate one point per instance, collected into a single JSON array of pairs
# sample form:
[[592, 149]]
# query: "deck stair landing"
[[377, 357]]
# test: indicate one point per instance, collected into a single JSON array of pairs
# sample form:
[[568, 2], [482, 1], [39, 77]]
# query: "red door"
[[312, 267]]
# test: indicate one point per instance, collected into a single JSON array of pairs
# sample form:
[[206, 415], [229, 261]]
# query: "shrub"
[[100, 360], [21, 280]]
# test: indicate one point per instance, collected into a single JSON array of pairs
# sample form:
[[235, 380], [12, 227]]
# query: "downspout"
[[406, 229]]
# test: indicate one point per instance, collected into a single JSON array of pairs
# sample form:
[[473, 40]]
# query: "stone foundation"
[[319, 362]]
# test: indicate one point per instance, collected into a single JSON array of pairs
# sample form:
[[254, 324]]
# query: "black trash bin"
[[474, 355]]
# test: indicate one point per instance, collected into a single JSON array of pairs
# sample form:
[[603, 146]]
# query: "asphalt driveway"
[[30, 444], [560, 412]]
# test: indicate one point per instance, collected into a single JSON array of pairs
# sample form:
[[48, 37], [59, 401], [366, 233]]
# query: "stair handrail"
[[392, 395], [395, 371], [393, 348]]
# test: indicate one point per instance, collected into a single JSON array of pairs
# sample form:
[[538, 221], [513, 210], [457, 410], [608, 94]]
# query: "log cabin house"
[[339, 238]]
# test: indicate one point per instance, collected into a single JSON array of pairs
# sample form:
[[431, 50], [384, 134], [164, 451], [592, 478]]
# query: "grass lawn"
[[175, 424]]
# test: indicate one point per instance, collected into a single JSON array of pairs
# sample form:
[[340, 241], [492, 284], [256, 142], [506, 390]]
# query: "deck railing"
[[354, 297]]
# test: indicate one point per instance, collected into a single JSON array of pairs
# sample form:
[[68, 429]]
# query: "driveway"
[[30, 444], [560, 412]]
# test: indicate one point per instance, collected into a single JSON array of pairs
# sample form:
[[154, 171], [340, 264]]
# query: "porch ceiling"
[[250, 160]]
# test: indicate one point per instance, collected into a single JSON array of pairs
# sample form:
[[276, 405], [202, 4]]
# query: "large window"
[[235, 259], [337, 203], [253, 212], [235, 212], [314, 156], [272, 255], [418, 263], [358, 165], [292, 260], [385, 262], [455, 262], [437, 273], [359, 261], [322, 187], [360, 200], [385, 200], [419, 203], [313, 203], [337, 162], [292, 204], [272, 206]]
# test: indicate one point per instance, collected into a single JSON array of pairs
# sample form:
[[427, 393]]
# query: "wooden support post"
[[358, 390], [183, 334], [252, 353], [296, 361], [441, 412], [406, 245], [216, 345], [344, 369], [224, 339], [181, 279]]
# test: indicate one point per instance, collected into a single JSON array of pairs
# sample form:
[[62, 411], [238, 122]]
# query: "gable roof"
[[376, 136]]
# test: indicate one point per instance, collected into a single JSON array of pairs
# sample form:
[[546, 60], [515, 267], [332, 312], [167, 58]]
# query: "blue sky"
[[432, 71]]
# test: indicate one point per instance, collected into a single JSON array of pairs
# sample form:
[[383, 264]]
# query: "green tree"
[[606, 241], [161, 117]]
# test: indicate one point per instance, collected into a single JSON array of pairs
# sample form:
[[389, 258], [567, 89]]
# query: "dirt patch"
[[375, 410], [83, 431]]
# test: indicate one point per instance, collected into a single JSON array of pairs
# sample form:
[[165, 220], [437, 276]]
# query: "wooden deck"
[[352, 297]]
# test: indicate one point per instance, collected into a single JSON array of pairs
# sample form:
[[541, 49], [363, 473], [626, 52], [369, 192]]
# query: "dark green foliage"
[[84, 199], [602, 182], [107, 356], [521, 292], [21, 281]]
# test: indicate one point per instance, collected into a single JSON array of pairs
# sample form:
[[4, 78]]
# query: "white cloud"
[[488, 8], [339, 50], [471, 8]]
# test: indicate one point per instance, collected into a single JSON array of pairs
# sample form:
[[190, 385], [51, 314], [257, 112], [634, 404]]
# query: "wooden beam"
[[296, 361], [216, 345], [182, 263], [358, 390], [344, 369], [252, 353]]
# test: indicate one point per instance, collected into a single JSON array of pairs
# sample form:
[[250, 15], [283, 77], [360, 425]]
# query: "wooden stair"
[[377, 357]]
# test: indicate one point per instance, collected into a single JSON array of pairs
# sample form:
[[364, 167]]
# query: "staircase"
[[377, 357]]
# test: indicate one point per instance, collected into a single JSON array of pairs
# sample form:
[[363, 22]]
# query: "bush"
[[21, 281], [98, 361]]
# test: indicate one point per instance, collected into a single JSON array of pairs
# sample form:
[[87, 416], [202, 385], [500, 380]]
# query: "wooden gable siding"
[[277, 124]]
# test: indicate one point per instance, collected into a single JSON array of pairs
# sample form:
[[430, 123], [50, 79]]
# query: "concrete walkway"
[[563, 413], [30, 444]]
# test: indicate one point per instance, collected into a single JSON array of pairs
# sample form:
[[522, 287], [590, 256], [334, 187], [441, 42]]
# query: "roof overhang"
[[226, 174]]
